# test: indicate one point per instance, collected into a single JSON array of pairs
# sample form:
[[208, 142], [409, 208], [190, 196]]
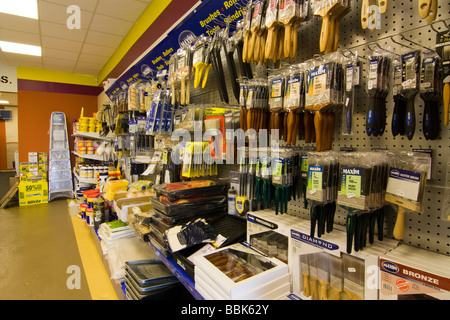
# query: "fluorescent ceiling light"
[[23, 8], [4, 102], [20, 48]]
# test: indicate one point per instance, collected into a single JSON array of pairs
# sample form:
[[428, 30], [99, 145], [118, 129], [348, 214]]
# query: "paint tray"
[[149, 274], [215, 189], [191, 206]]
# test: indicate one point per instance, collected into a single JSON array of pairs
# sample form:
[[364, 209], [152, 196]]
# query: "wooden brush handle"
[[433, 12], [424, 8], [269, 44], [251, 46], [399, 228], [324, 33], [294, 40], [256, 56], [306, 287], [183, 91], [245, 46], [295, 129], [279, 46], [364, 13], [330, 40], [243, 118], [301, 126], [249, 119], [290, 124], [323, 290], [382, 4], [318, 125], [287, 39], [307, 122], [446, 99]]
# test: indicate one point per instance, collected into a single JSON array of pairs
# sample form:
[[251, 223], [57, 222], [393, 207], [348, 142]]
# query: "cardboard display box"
[[239, 272], [321, 268], [409, 273], [33, 190]]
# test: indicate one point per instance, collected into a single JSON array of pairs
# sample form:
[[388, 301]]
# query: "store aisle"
[[38, 249]]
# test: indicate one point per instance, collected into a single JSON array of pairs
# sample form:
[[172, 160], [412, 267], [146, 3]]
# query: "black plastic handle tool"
[[371, 114], [350, 228], [372, 221], [313, 218], [398, 115], [380, 224], [410, 114]]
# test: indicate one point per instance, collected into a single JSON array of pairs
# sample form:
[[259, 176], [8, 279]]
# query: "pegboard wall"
[[400, 25]]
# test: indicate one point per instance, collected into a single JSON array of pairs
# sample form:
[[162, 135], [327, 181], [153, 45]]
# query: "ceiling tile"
[[88, 5], [21, 60], [59, 62], [110, 25], [103, 39], [56, 13], [85, 57], [127, 10], [3, 60], [61, 31], [11, 22], [20, 37], [97, 50], [58, 43], [60, 54]]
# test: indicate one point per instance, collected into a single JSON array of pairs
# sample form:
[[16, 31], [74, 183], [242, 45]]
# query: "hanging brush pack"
[[321, 190], [431, 87], [294, 103], [398, 115], [405, 185], [378, 88], [361, 189], [276, 80], [352, 73], [410, 88]]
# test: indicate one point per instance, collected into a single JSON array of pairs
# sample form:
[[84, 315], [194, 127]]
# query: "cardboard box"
[[33, 157], [239, 272], [321, 268], [43, 157], [409, 273], [24, 168], [124, 205], [270, 233], [33, 190]]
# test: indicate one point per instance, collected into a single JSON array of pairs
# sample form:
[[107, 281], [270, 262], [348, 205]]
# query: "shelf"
[[89, 156], [93, 135], [178, 272], [84, 180]]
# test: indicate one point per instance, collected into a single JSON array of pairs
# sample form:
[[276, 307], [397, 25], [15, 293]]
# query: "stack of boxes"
[[33, 186]]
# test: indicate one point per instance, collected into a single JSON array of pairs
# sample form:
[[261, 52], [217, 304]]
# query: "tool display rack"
[[404, 31]]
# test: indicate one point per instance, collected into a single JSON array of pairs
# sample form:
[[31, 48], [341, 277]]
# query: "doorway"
[[9, 135]]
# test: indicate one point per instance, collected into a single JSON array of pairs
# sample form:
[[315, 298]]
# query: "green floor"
[[37, 250]]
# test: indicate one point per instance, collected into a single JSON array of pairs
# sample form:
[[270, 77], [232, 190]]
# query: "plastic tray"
[[194, 207], [150, 272], [219, 188]]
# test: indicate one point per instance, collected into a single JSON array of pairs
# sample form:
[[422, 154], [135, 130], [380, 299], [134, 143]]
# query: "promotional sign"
[[205, 19], [8, 79]]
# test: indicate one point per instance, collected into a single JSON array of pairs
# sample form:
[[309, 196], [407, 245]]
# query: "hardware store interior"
[[224, 150]]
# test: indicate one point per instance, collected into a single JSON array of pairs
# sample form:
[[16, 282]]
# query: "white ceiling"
[[104, 24]]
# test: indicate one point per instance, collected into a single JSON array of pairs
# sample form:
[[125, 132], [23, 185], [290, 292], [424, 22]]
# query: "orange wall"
[[34, 112]]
